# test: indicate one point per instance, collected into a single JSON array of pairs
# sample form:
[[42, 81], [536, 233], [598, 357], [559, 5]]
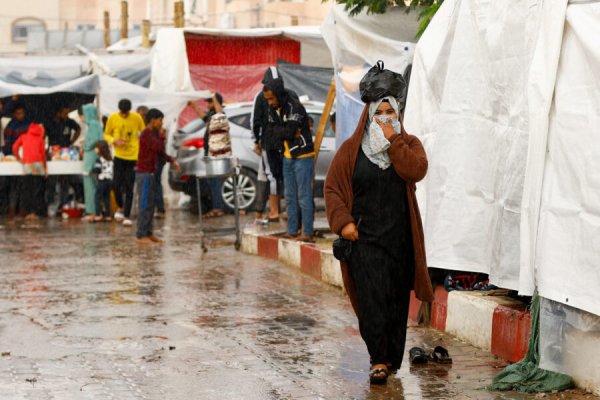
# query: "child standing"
[[104, 169], [35, 170], [151, 148]]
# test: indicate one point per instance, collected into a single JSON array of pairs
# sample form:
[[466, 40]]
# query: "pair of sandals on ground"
[[418, 356]]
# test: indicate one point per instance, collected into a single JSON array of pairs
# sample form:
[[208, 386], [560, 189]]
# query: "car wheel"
[[246, 190]]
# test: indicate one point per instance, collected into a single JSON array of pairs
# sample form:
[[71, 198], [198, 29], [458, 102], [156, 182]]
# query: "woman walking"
[[370, 200]]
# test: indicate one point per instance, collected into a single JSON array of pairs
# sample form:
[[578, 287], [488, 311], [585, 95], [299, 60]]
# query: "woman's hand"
[[350, 232], [387, 128]]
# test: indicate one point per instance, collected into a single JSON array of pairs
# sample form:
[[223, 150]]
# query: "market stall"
[[40, 103]]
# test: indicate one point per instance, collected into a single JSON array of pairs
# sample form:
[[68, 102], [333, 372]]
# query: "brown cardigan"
[[410, 162]]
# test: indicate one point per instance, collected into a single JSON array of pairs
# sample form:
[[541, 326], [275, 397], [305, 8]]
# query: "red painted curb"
[[268, 246], [510, 332], [413, 307], [439, 309], [310, 260]]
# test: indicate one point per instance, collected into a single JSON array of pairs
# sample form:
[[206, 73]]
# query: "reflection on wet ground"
[[86, 313]]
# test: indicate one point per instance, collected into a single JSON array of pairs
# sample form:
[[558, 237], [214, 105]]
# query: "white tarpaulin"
[[48, 71], [170, 65], [467, 103], [506, 98], [568, 242], [85, 85], [356, 44]]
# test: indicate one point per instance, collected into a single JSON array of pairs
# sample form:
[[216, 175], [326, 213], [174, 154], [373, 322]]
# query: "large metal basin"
[[219, 166]]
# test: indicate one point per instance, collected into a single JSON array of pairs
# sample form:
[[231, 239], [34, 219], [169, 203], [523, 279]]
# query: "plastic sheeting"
[[506, 98], [356, 43], [234, 82], [569, 343], [467, 103], [308, 81], [170, 64], [568, 236], [48, 71]]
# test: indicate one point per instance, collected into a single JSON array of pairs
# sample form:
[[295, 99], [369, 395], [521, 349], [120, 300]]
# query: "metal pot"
[[219, 166]]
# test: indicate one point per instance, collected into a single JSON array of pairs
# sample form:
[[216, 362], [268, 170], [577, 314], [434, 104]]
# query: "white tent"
[[170, 66], [506, 97]]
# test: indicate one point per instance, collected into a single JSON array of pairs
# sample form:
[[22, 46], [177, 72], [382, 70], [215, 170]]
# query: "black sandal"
[[440, 355], [375, 374], [418, 356]]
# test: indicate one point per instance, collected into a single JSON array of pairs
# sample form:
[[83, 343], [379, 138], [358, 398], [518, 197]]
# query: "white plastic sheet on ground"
[[467, 102]]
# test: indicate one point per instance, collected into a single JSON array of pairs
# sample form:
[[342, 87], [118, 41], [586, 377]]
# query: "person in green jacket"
[[93, 135]]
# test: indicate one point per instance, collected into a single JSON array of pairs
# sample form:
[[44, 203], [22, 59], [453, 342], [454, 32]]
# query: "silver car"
[[186, 145]]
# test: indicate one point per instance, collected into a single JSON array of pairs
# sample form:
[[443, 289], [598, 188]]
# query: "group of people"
[[22, 196], [128, 150]]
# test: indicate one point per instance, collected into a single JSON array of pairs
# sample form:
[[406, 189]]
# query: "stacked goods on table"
[[57, 153]]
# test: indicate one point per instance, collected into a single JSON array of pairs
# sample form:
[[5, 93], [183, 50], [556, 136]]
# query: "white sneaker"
[[119, 216], [127, 222]]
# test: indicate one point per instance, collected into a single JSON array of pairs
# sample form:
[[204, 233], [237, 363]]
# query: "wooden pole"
[[324, 119], [106, 29], [179, 17], [146, 34], [124, 18]]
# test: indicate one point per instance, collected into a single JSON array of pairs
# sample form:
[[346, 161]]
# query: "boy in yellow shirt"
[[122, 131]]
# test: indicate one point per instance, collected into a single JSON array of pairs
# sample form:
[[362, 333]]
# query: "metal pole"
[[200, 213], [236, 208]]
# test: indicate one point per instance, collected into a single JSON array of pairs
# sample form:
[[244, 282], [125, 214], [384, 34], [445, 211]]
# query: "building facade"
[[34, 16]]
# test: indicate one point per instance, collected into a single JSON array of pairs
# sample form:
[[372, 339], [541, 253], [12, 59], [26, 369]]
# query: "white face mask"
[[384, 118]]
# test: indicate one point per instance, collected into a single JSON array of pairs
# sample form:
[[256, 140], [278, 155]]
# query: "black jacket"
[[261, 129], [291, 120]]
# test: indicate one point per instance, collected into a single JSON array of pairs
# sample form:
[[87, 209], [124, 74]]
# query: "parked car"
[[186, 145]]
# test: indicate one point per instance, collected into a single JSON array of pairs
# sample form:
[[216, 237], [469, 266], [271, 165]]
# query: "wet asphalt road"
[[86, 313]]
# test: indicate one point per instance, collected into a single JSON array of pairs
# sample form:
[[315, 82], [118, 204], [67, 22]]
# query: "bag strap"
[[380, 65]]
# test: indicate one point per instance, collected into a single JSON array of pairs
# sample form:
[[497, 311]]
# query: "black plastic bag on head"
[[378, 83]]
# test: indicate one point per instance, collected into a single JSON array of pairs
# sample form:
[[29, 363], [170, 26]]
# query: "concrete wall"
[[45, 11]]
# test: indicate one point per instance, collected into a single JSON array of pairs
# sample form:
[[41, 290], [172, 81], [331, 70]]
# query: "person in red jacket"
[[29, 149], [151, 149]]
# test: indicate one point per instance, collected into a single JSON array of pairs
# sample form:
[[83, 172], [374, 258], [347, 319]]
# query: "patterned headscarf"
[[374, 144]]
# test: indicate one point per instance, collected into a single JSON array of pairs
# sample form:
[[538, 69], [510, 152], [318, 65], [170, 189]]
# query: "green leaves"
[[427, 8], [425, 17]]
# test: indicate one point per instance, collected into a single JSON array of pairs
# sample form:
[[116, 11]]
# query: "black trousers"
[[103, 188], [383, 284], [32, 194], [124, 180]]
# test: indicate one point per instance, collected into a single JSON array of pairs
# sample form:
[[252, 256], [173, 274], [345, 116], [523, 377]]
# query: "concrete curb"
[[493, 323]]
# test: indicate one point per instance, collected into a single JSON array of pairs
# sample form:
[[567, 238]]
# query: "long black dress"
[[382, 261]]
